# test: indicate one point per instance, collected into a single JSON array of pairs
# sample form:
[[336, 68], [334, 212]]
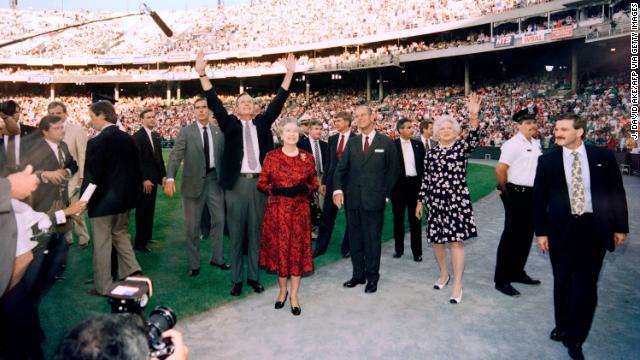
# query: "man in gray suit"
[[426, 132], [367, 173], [200, 145]]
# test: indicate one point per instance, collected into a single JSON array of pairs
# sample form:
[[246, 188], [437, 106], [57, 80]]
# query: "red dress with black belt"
[[285, 245]]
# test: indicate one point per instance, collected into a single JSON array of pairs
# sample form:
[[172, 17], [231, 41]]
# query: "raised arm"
[[472, 140], [213, 101], [275, 106]]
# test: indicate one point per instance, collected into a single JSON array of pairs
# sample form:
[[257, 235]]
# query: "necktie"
[[251, 155], [577, 186], [340, 147], [366, 145], [11, 153], [64, 191], [153, 148], [60, 157], [205, 138], [316, 149]]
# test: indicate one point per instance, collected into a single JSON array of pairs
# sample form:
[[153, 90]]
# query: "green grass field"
[[67, 302]]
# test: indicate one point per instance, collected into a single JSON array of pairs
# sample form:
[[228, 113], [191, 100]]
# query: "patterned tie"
[[251, 155], [577, 186], [64, 190], [340, 147], [366, 145], [316, 149]]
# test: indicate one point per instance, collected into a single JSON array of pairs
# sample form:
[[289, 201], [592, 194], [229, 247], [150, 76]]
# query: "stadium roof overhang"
[[583, 3]]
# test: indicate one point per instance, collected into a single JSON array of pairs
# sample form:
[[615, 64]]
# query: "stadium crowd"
[[604, 101]]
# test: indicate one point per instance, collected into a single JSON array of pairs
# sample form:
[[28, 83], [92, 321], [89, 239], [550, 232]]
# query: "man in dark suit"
[[426, 133], [153, 173], [248, 138], [112, 165], [16, 148], [580, 211], [318, 148], [336, 146], [201, 146], [405, 192], [366, 173]]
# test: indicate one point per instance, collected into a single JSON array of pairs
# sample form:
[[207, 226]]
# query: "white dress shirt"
[[371, 135], [244, 169], [408, 157], [522, 157], [151, 137], [567, 159], [212, 162], [345, 135], [426, 143]]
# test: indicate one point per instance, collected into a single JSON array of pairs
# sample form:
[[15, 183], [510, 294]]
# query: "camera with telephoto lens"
[[131, 296]]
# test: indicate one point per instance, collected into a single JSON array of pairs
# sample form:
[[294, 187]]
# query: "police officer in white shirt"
[[515, 173]]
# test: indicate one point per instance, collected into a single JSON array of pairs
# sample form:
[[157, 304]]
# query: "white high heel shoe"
[[438, 286], [457, 300]]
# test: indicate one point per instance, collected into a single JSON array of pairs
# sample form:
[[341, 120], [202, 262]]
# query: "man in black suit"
[[580, 211], [318, 148], [248, 138], [153, 173], [112, 165], [405, 192], [336, 146], [366, 173], [16, 148]]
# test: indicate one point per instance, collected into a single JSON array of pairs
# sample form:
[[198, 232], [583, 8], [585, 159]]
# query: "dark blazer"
[[305, 144], [367, 180], [151, 162], [29, 135], [330, 169], [232, 128], [112, 164], [44, 159], [552, 207], [418, 154]]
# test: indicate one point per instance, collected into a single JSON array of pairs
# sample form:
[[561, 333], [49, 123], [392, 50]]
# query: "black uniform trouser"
[[576, 261], [405, 199], [329, 213], [144, 217], [517, 235], [365, 237]]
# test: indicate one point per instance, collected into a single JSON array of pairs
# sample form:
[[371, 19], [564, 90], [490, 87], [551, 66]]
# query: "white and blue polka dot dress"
[[445, 193]]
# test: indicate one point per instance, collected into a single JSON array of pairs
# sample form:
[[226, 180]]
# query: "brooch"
[[303, 157]]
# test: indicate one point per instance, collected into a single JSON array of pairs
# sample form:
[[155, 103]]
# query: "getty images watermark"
[[634, 70]]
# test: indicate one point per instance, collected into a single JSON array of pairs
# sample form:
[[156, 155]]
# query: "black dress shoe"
[[575, 351], [143, 249], [397, 256], [526, 280], [296, 310], [417, 258], [372, 286], [222, 266], [346, 255], [236, 290], [194, 272], [280, 304], [256, 286], [507, 289], [317, 253], [353, 282], [557, 335]]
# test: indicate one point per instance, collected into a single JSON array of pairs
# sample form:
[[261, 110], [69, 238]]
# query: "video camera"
[[131, 296]]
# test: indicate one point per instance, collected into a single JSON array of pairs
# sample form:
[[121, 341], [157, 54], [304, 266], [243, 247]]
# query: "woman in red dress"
[[288, 176]]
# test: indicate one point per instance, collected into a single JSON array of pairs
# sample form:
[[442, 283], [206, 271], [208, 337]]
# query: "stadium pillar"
[[380, 88], [168, 91], [241, 86], [574, 69], [116, 92], [467, 87], [179, 91], [307, 89], [52, 92], [368, 85]]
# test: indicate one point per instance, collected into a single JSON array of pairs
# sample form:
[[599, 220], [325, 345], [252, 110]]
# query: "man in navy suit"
[[336, 146], [319, 149], [405, 193], [580, 211]]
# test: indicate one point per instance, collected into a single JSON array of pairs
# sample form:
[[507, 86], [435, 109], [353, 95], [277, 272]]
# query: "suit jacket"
[[552, 206], [151, 162], [43, 158], [113, 166], [305, 144], [76, 139], [232, 128], [367, 179], [188, 147], [330, 169], [8, 235], [426, 146], [28, 136], [418, 156]]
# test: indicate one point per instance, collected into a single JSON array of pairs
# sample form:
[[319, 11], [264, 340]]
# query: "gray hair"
[[443, 119], [285, 121]]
